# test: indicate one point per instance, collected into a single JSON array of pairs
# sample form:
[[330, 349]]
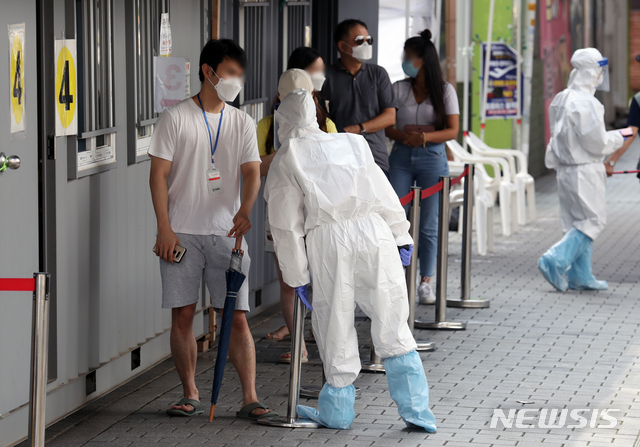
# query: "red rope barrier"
[[459, 178], [406, 199], [17, 284], [435, 188], [432, 190], [626, 172]]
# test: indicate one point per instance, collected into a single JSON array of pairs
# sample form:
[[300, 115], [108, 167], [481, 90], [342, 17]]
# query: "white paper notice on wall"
[[165, 35], [66, 91], [187, 78], [169, 80], [16, 77]]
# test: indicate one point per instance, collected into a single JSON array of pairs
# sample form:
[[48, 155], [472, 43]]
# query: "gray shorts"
[[209, 255]]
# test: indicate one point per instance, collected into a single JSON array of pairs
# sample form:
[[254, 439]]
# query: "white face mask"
[[318, 80], [600, 80], [362, 52], [227, 89]]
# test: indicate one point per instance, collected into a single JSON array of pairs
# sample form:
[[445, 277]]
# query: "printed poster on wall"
[[169, 80], [555, 52], [66, 94], [502, 97], [16, 77], [165, 35]]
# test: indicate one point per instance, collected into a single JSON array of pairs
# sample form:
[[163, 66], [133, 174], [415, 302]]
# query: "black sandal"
[[197, 408], [245, 412]]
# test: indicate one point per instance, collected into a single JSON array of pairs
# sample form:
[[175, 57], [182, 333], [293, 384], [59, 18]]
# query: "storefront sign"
[[502, 99], [555, 51]]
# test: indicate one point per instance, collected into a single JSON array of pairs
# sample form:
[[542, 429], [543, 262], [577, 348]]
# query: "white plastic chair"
[[525, 184], [497, 186], [484, 199]]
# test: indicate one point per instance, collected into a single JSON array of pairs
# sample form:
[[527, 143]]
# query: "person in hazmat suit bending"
[[577, 148], [328, 188]]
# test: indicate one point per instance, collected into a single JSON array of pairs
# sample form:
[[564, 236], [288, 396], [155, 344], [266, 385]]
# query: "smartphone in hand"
[[178, 253], [627, 132]]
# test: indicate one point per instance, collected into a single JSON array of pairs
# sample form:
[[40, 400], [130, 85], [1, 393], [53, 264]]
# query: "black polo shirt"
[[354, 100], [634, 112]]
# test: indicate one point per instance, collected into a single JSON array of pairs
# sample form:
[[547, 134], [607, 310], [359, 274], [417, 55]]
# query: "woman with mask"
[[309, 60], [427, 117]]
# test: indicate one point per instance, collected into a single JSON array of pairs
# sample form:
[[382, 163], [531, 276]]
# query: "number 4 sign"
[[16, 76], [66, 90]]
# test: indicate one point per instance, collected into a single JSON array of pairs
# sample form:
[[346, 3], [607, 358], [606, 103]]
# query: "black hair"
[[344, 28], [302, 57], [217, 50], [433, 79]]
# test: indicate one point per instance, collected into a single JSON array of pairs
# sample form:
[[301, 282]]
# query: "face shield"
[[276, 140], [603, 78]]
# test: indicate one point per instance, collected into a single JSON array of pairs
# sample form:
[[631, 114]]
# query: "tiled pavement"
[[556, 351]]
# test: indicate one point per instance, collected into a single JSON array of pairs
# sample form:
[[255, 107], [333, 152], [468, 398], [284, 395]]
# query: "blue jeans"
[[422, 166]]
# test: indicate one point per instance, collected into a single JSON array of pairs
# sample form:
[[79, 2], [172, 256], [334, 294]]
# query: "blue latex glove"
[[405, 254], [303, 294]]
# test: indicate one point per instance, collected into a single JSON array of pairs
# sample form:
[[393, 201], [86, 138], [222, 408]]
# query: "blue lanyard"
[[213, 148]]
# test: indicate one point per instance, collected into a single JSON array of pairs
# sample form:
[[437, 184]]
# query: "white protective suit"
[[328, 188], [578, 146]]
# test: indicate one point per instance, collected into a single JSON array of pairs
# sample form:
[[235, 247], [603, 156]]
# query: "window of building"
[[143, 44], [296, 27], [253, 16], [96, 118]]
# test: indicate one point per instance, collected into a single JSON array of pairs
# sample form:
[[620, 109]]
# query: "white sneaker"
[[425, 293]]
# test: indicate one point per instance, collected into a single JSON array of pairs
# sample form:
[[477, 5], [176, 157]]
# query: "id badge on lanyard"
[[213, 177], [214, 181]]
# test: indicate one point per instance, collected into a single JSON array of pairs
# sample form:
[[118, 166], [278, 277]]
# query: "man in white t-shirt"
[[204, 156]]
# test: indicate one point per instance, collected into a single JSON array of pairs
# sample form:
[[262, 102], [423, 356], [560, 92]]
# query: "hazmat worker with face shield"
[[327, 189], [577, 149]]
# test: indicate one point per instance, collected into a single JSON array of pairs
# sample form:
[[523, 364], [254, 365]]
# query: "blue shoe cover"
[[579, 276], [557, 260], [335, 407], [410, 391], [551, 273]]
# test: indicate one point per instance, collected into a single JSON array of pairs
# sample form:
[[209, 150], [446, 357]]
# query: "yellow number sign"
[[17, 79], [66, 94]]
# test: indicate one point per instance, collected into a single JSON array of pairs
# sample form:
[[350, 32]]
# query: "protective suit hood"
[[586, 70], [296, 116]]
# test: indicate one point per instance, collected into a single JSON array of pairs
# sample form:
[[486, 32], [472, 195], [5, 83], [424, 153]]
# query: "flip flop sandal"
[[283, 359], [197, 408], [245, 412]]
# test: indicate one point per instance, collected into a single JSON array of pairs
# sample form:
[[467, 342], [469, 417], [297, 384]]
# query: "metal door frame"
[[47, 157]]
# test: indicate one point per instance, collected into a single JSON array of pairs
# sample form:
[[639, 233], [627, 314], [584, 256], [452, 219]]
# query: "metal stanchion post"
[[375, 364], [443, 249], [291, 420], [38, 382], [467, 228], [412, 270]]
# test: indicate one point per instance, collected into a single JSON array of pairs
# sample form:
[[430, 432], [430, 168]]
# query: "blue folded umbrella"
[[235, 279]]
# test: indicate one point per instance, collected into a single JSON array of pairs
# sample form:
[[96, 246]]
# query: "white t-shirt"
[[410, 112], [181, 136]]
